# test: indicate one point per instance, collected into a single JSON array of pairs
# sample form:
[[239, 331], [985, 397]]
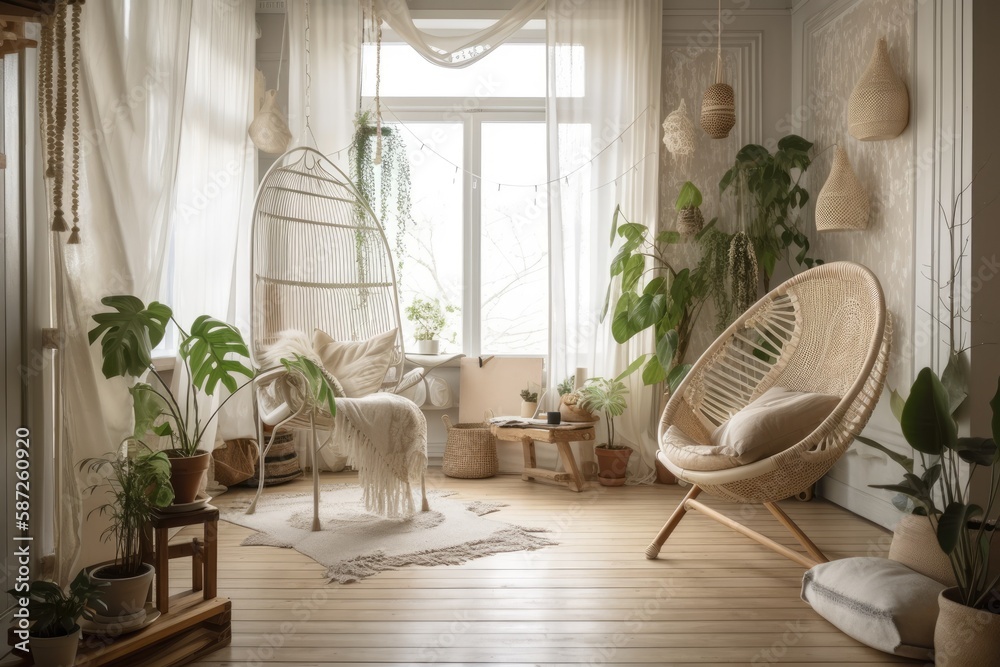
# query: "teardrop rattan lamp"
[[879, 107], [843, 203], [678, 131], [718, 104]]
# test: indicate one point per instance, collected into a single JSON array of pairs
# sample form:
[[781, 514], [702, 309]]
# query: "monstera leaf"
[[129, 334], [319, 386], [206, 350]]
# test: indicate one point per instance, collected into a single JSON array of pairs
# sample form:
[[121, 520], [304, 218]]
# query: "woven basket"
[[236, 461], [718, 110], [470, 451], [842, 204], [282, 462], [678, 131], [879, 107], [690, 221]]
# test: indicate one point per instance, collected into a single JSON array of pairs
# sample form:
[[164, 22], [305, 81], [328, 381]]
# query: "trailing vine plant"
[[393, 186]]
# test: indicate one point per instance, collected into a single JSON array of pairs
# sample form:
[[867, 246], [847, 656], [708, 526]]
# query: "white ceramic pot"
[[55, 651], [428, 346], [125, 598], [964, 636]]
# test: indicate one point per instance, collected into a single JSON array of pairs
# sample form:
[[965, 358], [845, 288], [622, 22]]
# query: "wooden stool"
[[560, 436], [157, 551]]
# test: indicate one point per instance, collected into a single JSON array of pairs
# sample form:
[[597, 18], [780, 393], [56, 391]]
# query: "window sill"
[[165, 363]]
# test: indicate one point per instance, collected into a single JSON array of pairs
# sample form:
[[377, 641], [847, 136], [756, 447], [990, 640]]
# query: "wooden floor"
[[713, 597]]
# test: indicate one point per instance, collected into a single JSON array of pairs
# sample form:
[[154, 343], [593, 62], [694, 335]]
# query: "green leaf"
[[621, 330], [633, 271], [147, 406], [978, 451], [954, 523], [677, 375], [794, 142], [688, 197], [709, 226], [632, 368], [607, 302], [669, 237], [905, 461], [647, 311], [666, 346], [653, 372], [614, 223], [768, 260], [931, 476], [995, 405], [207, 349], [633, 231], [896, 404], [129, 334], [654, 286], [726, 179], [320, 389], [955, 379], [926, 422]]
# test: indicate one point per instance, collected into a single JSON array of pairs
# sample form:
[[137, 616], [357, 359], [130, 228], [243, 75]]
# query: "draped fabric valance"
[[454, 50]]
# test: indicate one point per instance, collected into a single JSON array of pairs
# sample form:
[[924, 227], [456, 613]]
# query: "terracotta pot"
[[664, 476], [125, 597], [965, 636], [55, 651], [186, 474], [528, 409], [611, 464]]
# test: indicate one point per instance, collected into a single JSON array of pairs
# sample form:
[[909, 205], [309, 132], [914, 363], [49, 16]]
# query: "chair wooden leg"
[[653, 550], [315, 471], [424, 505], [797, 533]]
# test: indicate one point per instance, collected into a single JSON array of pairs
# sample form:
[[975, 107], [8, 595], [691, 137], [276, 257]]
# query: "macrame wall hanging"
[[678, 132], [59, 109], [718, 104], [843, 204], [879, 107]]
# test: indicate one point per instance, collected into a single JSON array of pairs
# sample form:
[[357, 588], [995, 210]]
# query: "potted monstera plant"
[[54, 636], [213, 354], [607, 396], [136, 481]]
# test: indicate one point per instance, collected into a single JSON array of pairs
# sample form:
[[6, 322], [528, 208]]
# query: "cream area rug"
[[355, 544]]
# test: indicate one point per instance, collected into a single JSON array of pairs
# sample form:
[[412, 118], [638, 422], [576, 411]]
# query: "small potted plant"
[[136, 481], [529, 403], [607, 396], [689, 217], [54, 636], [428, 318]]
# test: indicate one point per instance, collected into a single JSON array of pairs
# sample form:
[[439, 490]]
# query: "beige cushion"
[[879, 602], [776, 420], [360, 366]]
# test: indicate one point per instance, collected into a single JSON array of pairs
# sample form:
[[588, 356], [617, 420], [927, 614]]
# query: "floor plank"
[[712, 598]]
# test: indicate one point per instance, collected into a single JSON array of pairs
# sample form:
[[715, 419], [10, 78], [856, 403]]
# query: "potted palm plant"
[[54, 636], [607, 396], [428, 318], [136, 480], [964, 529]]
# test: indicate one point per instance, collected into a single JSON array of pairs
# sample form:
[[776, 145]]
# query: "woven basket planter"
[[842, 204], [281, 464], [690, 221], [678, 131], [879, 107], [718, 110], [470, 451]]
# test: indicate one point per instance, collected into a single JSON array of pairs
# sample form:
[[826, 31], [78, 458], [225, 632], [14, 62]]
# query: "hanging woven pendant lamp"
[[879, 107], [842, 204], [678, 131], [718, 104]]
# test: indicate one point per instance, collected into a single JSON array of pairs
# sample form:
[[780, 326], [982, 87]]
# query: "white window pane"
[[512, 70], [432, 241], [514, 261]]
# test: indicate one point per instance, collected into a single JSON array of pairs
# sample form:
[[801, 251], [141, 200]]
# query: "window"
[[478, 240]]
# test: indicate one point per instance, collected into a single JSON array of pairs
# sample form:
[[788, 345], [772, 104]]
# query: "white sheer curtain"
[[603, 83], [144, 67], [454, 50]]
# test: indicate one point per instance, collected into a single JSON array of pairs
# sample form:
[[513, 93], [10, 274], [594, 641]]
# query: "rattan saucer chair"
[[319, 260], [826, 330]]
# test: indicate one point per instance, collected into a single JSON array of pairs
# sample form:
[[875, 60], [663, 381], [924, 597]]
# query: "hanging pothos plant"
[[393, 187]]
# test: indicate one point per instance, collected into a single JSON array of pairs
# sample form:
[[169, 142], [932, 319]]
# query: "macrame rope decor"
[[59, 108], [678, 131], [742, 256], [718, 104], [879, 107], [843, 204]]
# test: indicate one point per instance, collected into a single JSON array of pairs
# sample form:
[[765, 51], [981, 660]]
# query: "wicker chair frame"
[[825, 330], [319, 259]]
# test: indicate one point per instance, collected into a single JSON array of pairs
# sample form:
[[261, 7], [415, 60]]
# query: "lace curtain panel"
[[454, 50]]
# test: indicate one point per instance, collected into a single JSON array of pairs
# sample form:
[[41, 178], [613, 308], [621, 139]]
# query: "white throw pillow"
[[776, 420], [879, 602], [360, 366]]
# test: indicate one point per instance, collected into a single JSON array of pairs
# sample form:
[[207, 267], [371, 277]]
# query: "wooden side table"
[[157, 551], [561, 437]]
